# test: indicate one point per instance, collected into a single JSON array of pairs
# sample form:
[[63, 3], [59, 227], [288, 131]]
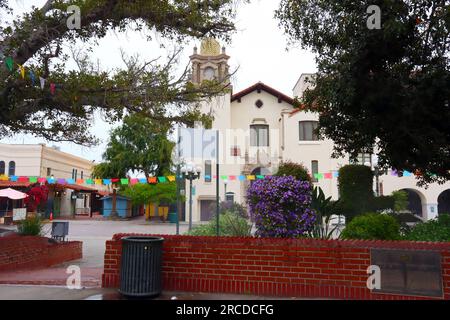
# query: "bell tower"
[[211, 63]]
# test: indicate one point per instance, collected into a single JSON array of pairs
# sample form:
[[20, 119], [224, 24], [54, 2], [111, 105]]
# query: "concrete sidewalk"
[[90, 277], [15, 292]]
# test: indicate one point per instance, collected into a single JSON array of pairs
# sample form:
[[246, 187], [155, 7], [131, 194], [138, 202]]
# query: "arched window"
[[12, 168], [307, 130], [2, 167]]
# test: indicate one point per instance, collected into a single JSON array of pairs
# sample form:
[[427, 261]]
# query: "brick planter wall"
[[272, 267], [28, 252]]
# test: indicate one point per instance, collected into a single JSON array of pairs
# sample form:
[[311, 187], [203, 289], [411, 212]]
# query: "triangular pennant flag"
[[327, 175], [106, 181], [171, 178], [123, 181], [33, 179], [51, 180], [80, 181], [32, 77], [115, 180], [9, 63], [4, 177], [89, 181], [142, 180], [260, 177], [224, 177], [98, 181], [13, 178], [71, 181], [42, 80], [62, 181], [251, 177], [22, 71], [336, 174], [134, 181], [23, 179], [42, 180], [152, 180], [162, 179], [52, 88], [232, 178], [241, 178]]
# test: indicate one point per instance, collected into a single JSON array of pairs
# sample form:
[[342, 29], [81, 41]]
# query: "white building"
[[39, 160], [259, 128]]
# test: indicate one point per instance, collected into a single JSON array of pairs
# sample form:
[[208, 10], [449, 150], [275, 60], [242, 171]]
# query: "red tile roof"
[[266, 88], [77, 187]]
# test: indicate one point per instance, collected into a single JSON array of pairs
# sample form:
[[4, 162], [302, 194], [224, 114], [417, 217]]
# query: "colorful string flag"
[[32, 77], [42, 81], [70, 181], [33, 179], [115, 180], [394, 173], [335, 174], [251, 177], [61, 181], [98, 181], [152, 180], [327, 175], [51, 180], [259, 177], [80, 181], [21, 70], [142, 180], [89, 181], [407, 174], [42, 180], [134, 181], [9, 63], [124, 181], [162, 179], [4, 177], [224, 177], [106, 181], [23, 179], [241, 178], [52, 88], [171, 178], [207, 177]]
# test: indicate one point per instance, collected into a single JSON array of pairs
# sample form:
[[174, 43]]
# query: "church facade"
[[259, 128]]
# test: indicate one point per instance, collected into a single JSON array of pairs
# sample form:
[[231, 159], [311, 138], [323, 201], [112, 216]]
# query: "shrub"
[[432, 230], [355, 190], [372, 226], [230, 224], [281, 207], [382, 203], [229, 206], [36, 196], [324, 209], [400, 200], [296, 170], [31, 226]]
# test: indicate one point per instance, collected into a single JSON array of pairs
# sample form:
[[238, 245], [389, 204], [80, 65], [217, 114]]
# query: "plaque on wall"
[[409, 272]]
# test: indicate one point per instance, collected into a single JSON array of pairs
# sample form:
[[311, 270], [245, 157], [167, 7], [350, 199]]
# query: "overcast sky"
[[258, 48]]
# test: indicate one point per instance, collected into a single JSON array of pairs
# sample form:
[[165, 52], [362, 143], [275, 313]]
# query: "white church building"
[[260, 127]]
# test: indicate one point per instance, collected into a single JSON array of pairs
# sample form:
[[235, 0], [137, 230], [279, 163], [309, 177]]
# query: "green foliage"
[[432, 230], [160, 193], [297, 170], [233, 207], [372, 226], [355, 190], [230, 224], [382, 203], [385, 86], [31, 226], [324, 208], [400, 200], [139, 144], [36, 38]]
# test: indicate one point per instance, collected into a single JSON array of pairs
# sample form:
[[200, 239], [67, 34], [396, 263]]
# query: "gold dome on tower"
[[210, 47]]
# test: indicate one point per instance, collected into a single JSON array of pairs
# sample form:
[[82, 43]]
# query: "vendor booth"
[[12, 207]]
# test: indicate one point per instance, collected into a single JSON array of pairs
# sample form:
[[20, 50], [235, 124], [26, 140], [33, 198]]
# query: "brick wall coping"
[[379, 244]]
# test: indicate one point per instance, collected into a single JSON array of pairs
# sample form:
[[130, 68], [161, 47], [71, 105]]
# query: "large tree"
[[36, 40], [386, 89], [141, 145]]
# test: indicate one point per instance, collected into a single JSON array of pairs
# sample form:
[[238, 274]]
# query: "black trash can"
[[141, 267]]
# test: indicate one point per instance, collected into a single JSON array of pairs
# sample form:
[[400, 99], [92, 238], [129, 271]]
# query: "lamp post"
[[225, 183], [191, 173]]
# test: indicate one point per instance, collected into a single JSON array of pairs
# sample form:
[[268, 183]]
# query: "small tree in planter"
[[281, 207]]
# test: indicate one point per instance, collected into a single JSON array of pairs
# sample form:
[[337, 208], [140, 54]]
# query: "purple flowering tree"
[[281, 207]]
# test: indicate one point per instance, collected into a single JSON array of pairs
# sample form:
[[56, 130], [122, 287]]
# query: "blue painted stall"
[[123, 206]]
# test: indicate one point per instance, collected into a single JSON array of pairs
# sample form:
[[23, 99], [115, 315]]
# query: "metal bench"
[[60, 229]]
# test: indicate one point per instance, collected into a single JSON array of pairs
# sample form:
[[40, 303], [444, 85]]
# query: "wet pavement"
[[22, 292]]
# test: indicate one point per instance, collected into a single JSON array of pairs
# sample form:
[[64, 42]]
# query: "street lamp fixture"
[[190, 172]]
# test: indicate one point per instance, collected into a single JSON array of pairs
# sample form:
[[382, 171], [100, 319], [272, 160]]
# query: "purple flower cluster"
[[281, 207]]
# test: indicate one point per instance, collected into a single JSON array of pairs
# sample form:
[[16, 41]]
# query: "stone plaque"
[[409, 272]]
